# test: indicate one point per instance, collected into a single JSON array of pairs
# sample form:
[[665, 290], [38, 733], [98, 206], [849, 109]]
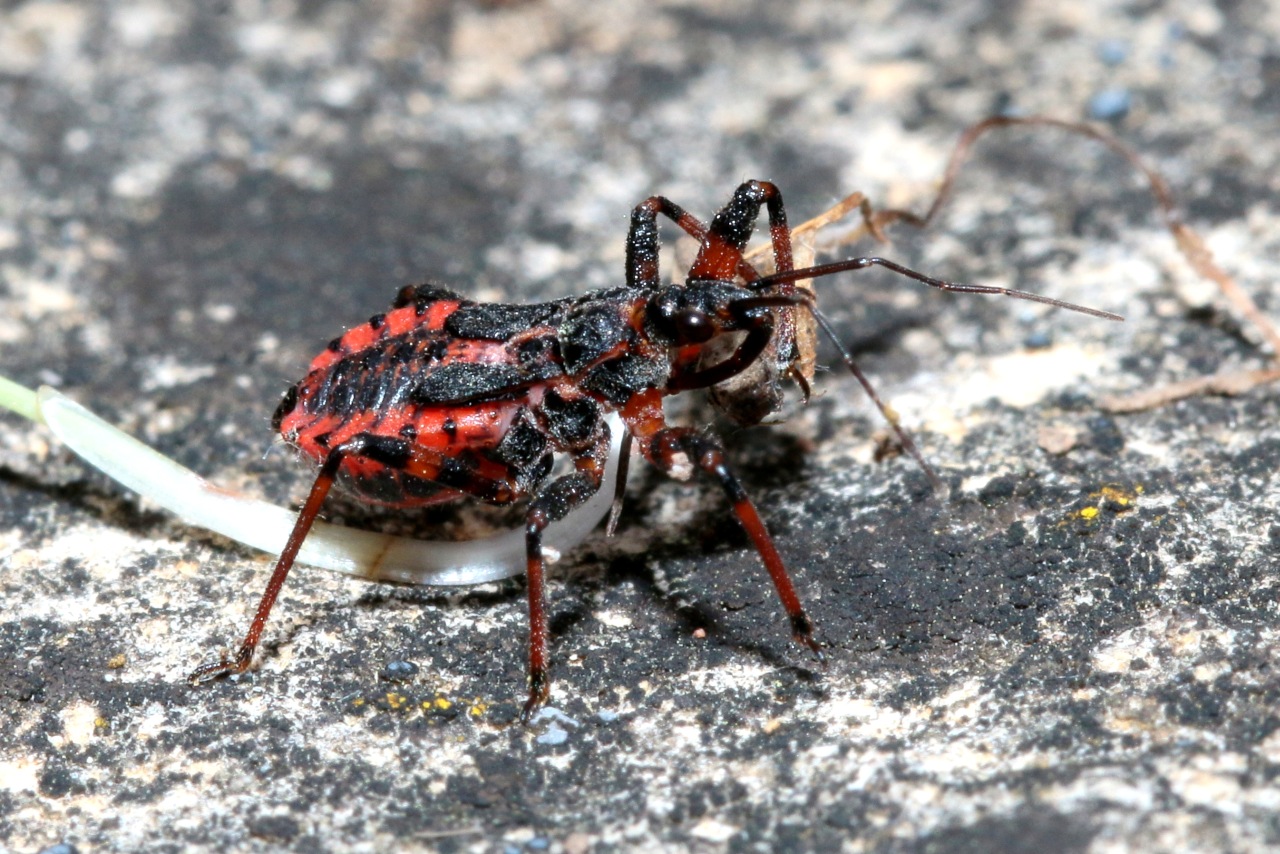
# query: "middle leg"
[[550, 503]]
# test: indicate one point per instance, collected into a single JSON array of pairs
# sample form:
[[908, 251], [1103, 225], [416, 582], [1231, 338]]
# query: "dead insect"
[[441, 398]]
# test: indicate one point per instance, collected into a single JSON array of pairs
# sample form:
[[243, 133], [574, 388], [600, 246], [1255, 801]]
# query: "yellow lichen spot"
[[116, 662], [396, 701], [358, 702], [439, 704], [1117, 498], [478, 708], [1088, 512], [100, 723]]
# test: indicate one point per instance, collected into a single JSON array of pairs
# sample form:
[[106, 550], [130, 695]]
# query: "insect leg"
[[675, 448], [689, 374], [719, 258], [392, 453], [552, 502], [642, 242], [620, 486], [319, 490], [721, 254]]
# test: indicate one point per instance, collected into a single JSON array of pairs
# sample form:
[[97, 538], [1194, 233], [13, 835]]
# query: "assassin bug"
[[442, 398]]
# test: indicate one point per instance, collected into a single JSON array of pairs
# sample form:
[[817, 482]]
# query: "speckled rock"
[[1075, 651]]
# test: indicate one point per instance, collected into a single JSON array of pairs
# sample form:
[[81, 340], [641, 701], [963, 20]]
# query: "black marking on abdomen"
[[467, 383], [497, 322]]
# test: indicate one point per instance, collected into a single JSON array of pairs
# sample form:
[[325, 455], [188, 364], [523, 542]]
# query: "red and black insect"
[[442, 398]]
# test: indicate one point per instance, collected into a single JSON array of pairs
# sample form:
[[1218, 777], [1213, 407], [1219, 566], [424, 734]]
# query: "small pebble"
[[1113, 51], [1057, 439], [1110, 104], [1038, 339], [399, 671], [553, 737], [555, 722], [1105, 435]]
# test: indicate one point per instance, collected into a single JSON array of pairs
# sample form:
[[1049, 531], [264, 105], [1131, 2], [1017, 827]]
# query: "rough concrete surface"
[[1074, 652]]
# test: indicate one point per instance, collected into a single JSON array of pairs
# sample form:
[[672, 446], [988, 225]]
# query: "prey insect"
[[441, 398]]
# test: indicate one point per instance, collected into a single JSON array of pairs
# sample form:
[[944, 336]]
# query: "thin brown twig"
[[1227, 384]]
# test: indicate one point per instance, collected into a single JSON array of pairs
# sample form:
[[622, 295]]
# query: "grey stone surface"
[[1076, 652]]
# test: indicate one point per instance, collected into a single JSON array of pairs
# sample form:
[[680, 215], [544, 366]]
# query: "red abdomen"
[[405, 376]]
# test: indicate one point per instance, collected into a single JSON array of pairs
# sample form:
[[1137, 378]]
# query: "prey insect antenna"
[[1159, 187]]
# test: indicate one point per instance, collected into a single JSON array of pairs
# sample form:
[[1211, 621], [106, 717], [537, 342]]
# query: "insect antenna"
[[765, 282], [808, 300]]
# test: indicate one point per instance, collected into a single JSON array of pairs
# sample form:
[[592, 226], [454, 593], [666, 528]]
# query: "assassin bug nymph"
[[443, 398]]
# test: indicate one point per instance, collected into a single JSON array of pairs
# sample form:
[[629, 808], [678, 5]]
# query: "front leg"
[[677, 450]]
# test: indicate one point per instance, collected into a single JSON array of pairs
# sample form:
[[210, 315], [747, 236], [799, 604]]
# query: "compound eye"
[[694, 326]]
